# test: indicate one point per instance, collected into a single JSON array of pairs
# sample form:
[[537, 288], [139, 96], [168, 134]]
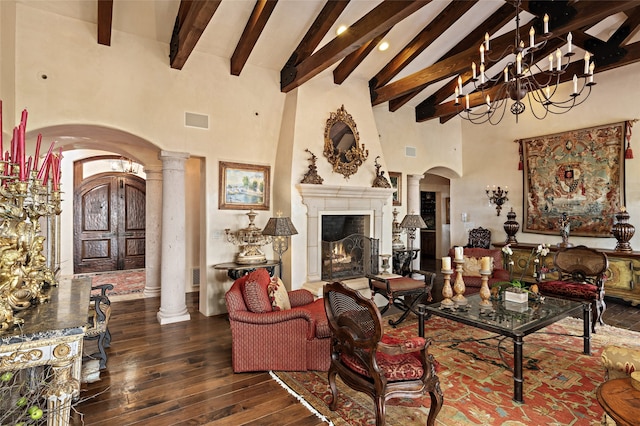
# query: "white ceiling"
[[287, 25]]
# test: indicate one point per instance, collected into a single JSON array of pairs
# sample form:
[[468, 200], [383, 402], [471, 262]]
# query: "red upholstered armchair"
[[471, 267], [266, 338]]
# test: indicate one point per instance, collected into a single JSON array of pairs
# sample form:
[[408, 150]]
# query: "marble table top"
[[64, 314]]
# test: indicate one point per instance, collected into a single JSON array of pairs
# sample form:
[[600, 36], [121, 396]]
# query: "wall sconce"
[[280, 228], [497, 196]]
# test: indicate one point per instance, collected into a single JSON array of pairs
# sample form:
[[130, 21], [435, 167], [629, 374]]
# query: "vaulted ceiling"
[[432, 42]]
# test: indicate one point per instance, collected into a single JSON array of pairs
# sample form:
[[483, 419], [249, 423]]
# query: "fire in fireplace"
[[347, 252]]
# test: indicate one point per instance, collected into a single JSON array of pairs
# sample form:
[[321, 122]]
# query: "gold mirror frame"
[[342, 143]]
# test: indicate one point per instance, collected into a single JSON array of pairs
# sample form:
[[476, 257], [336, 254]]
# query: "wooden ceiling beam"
[[374, 23], [193, 17], [105, 16], [586, 14], [420, 42], [629, 27], [316, 32], [257, 21], [351, 62], [492, 24]]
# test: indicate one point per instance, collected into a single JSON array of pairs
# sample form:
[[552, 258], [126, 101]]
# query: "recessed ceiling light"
[[383, 46], [341, 29]]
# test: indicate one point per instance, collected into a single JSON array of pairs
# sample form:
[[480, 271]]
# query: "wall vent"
[[201, 121], [410, 151], [195, 276]]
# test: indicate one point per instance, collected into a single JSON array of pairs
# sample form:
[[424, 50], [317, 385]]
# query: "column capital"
[[153, 172], [171, 154]]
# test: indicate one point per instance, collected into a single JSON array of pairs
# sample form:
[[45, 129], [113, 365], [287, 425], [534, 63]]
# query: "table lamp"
[[280, 228], [411, 222]]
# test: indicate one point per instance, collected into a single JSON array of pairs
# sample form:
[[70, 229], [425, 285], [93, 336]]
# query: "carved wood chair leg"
[[380, 410], [333, 404]]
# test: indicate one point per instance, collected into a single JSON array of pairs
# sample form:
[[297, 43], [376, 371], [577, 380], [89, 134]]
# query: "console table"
[[236, 270], [52, 334], [622, 274]]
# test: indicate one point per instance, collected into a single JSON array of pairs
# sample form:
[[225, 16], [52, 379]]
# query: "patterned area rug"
[[559, 380]]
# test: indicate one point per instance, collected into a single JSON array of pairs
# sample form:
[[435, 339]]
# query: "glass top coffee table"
[[515, 321]]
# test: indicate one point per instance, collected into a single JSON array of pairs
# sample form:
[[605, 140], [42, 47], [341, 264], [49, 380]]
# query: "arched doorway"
[[109, 223]]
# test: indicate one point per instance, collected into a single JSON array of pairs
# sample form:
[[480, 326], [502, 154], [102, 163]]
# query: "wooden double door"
[[109, 223]]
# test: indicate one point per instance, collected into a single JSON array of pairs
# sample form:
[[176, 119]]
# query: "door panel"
[[132, 240], [109, 223]]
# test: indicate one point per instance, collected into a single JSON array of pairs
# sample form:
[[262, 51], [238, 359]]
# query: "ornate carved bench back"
[[581, 264]]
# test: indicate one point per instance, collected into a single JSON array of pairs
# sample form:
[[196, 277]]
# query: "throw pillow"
[[278, 295], [471, 266], [256, 291]]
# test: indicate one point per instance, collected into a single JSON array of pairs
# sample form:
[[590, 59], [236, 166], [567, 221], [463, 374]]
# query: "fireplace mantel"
[[321, 199]]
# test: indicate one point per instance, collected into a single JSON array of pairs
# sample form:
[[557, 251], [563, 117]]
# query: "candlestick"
[[545, 19], [458, 285], [447, 291], [532, 36], [587, 56], [485, 293]]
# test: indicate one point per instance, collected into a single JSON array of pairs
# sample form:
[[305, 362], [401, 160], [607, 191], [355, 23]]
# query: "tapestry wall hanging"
[[580, 173]]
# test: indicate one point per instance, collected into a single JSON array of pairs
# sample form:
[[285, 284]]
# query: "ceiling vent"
[[200, 121]]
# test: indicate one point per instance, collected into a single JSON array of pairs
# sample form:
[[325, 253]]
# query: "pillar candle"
[[458, 252], [446, 263], [485, 263]]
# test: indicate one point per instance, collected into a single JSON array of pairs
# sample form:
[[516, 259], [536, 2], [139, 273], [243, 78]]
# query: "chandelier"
[[527, 79]]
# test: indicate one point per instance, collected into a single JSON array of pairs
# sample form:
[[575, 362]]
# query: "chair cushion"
[[402, 284], [278, 295], [569, 289], [394, 367], [255, 291]]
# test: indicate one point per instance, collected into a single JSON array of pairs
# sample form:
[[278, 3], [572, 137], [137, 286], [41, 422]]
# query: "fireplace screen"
[[351, 257]]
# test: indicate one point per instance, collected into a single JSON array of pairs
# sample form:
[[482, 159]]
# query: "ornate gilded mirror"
[[342, 143]]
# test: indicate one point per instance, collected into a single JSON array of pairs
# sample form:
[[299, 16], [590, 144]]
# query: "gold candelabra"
[[27, 194]]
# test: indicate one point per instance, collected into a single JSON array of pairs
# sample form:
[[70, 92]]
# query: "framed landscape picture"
[[580, 173], [243, 186], [396, 183]]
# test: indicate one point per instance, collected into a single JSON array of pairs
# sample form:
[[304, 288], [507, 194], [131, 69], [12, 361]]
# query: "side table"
[[620, 400], [236, 270]]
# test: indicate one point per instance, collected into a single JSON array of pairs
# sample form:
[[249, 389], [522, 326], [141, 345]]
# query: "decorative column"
[[413, 205], [153, 232], [173, 307]]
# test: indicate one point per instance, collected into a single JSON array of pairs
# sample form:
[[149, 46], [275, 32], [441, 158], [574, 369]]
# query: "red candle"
[[21, 147], [23, 119], [45, 164], [37, 156], [46, 168]]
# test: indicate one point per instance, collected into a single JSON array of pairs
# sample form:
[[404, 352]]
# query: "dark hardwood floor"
[[180, 374]]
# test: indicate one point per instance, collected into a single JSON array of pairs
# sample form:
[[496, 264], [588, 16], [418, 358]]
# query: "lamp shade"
[[279, 226], [413, 221]]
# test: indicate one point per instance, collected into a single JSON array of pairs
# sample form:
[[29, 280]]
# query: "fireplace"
[[330, 200], [347, 251]]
